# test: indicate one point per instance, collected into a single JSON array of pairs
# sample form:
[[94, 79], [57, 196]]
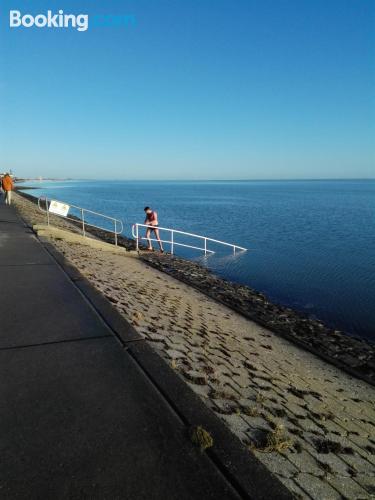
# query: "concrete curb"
[[242, 469]]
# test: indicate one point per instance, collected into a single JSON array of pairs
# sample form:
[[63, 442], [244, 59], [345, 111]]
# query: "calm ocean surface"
[[311, 243]]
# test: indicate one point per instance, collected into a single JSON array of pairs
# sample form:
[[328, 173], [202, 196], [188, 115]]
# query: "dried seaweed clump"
[[273, 440], [202, 438]]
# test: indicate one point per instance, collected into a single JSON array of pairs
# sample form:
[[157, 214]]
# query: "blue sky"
[[196, 89]]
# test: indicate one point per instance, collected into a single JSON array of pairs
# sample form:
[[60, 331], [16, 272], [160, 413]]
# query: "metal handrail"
[[173, 242], [118, 225]]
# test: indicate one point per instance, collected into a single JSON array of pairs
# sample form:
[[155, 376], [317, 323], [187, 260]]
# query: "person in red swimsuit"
[[152, 223]]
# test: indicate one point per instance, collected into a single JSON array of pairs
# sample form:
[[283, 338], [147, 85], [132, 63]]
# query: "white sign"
[[58, 208]]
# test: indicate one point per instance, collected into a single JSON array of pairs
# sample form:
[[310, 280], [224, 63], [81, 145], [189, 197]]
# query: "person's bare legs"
[[148, 233], [159, 240]]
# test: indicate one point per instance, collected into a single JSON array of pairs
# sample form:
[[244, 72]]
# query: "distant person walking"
[[7, 185], [152, 223]]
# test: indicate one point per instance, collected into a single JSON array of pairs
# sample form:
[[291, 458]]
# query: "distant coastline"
[[328, 179], [43, 179]]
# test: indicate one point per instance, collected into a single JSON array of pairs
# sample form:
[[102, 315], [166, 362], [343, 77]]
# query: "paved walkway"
[[78, 417]]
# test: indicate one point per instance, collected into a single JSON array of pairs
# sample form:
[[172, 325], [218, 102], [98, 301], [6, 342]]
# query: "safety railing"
[[62, 209], [173, 242]]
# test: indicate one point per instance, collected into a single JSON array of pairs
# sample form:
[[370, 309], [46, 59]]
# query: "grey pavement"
[[78, 416]]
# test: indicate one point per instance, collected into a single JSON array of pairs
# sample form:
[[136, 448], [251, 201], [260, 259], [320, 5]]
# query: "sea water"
[[311, 244]]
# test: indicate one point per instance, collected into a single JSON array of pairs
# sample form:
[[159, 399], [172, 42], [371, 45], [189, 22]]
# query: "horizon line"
[[293, 179]]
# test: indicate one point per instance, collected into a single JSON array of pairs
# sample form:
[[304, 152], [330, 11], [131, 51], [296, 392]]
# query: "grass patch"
[[250, 411], [260, 398]]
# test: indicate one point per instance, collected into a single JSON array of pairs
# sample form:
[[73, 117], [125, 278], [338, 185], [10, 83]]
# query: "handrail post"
[[172, 241], [47, 209], [83, 223], [115, 232], [137, 237], [205, 246]]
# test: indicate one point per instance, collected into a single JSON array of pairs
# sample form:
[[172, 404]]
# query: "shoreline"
[[354, 355]]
